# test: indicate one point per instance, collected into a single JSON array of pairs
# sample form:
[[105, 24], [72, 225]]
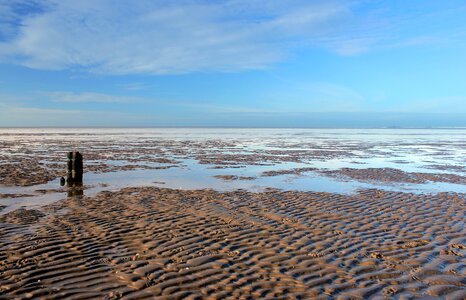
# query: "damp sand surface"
[[140, 243], [329, 160], [235, 214]]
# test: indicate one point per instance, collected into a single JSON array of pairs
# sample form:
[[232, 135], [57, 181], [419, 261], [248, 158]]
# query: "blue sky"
[[232, 63]]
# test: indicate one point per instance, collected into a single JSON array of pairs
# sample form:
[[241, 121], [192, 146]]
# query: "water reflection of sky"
[[410, 150]]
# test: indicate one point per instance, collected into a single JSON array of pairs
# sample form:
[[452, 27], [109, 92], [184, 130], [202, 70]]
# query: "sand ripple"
[[144, 242], [395, 175]]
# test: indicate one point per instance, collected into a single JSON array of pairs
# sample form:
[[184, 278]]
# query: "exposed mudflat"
[[295, 171], [143, 242], [29, 157], [233, 177], [395, 175], [235, 214]]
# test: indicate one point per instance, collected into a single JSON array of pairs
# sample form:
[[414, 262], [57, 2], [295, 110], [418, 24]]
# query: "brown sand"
[[144, 242], [233, 177], [447, 168], [388, 175], [26, 172], [30, 159], [295, 171], [395, 175]]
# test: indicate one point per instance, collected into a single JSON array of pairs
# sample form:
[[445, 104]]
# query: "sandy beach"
[[244, 238], [232, 149], [143, 242]]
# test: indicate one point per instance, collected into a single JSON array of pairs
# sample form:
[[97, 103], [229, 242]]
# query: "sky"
[[233, 63]]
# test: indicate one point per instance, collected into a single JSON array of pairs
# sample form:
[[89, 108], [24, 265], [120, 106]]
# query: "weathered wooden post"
[[75, 189], [75, 167]]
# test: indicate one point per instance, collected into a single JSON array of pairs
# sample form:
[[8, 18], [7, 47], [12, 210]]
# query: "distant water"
[[410, 150]]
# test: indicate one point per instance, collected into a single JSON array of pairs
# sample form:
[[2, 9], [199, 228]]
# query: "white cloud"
[[312, 96], [220, 109], [90, 97], [134, 86], [15, 115], [172, 37], [160, 37], [34, 110]]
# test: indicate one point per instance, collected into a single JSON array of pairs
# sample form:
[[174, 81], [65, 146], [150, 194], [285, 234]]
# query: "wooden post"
[[75, 167], [69, 167], [75, 189]]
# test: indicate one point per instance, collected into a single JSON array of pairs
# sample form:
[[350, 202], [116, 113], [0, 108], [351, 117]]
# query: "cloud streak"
[[90, 97], [151, 36], [16, 115], [159, 37]]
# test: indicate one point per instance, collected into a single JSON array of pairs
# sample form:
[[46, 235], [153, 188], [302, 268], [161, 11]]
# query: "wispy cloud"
[[449, 104], [16, 115], [89, 97], [36, 110], [313, 96], [11, 14], [134, 86], [163, 37], [212, 108], [149, 36]]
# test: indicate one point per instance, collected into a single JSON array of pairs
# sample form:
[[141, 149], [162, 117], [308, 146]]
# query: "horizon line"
[[231, 127]]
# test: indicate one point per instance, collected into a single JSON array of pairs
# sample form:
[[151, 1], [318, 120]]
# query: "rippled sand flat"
[[138, 243], [292, 214]]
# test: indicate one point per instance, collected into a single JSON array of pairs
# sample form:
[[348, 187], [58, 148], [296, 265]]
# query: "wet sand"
[[394, 175], [36, 156], [138, 243], [145, 241]]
